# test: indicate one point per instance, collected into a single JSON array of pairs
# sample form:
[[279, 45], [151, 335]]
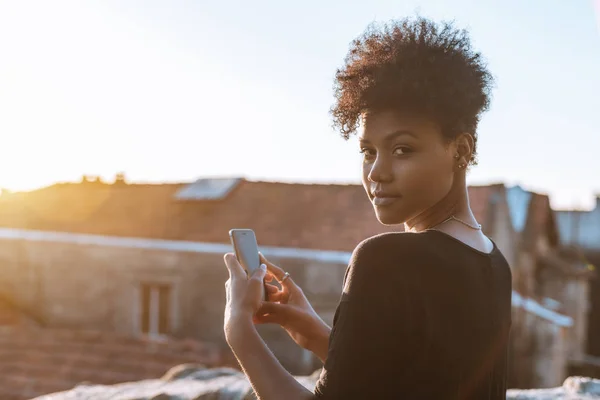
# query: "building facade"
[[148, 259]]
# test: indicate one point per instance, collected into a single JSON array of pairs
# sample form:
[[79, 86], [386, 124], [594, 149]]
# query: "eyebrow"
[[393, 135]]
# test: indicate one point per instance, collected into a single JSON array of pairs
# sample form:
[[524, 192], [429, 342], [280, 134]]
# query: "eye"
[[368, 154], [402, 150]]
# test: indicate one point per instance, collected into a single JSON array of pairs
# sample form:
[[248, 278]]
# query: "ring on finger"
[[285, 276]]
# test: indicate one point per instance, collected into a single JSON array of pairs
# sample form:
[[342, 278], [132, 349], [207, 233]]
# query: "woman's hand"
[[244, 294], [290, 308]]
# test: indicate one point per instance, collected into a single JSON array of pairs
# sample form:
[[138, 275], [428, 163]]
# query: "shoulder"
[[395, 256], [387, 246]]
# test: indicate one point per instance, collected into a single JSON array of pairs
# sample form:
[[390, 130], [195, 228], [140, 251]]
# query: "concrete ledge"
[[536, 308], [325, 256]]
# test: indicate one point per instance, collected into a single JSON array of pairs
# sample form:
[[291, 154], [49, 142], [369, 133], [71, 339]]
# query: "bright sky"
[[180, 89]]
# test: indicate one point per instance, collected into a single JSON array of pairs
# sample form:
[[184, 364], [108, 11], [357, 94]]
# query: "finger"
[[273, 313], [268, 307], [288, 286], [269, 277], [279, 297], [271, 289], [272, 268], [255, 283], [234, 267], [227, 297], [267, 319], [278, 273], [275, 294]]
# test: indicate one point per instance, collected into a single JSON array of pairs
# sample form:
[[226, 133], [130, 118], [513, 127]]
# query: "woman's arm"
[[289, 308], [321, 346], [302, 323], [266, 375]]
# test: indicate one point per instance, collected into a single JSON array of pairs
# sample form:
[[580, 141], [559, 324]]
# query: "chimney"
[[90, 179], [120, 179]]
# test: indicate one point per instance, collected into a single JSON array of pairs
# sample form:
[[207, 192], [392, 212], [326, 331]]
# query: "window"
[[155, 308]]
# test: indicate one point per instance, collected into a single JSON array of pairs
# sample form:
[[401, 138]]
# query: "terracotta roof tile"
[[8, 315], [39, 361], [11, 315], [311, 216], [332, 217], [120, 210]]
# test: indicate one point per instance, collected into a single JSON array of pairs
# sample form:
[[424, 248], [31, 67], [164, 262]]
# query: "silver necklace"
[[478, 227]]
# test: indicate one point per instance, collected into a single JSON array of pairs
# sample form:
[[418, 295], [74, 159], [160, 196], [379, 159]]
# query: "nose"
[[381, 171]]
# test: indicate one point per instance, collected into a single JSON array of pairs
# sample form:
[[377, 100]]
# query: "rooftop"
[[307, 216]]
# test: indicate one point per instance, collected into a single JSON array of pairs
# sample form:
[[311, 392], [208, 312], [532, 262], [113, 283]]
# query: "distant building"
[[582, 229], [146, 259], [555, 274]]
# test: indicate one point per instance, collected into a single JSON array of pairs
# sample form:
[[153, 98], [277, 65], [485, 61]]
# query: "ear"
[[464, 145]]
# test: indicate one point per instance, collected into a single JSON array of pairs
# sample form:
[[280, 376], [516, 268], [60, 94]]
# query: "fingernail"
[[263, 267]]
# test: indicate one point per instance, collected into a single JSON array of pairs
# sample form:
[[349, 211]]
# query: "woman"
[[424, 314]]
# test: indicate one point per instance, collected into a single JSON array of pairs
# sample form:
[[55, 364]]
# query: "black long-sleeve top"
[[421, 316]]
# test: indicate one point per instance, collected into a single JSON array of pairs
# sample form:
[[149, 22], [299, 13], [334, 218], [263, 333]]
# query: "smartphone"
[[246, 251]]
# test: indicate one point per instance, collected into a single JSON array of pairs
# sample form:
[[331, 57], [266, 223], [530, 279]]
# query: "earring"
[[462, 165], [456, 156]]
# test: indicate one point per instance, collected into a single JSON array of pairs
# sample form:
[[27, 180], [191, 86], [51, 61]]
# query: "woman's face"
[[407, 165]]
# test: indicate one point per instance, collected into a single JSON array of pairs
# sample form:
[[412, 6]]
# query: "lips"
[[381, 200]]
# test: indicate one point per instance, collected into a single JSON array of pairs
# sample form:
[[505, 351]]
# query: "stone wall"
[[94, 282], [539, 345], [88, 286], [593, 333], [85, 283]]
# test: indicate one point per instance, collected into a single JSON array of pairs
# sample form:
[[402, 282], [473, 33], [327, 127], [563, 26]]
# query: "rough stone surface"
[[574, 388], [183, 382], [194, 382]]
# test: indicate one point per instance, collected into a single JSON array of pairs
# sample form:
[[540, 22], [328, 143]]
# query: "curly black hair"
[[417, 66]]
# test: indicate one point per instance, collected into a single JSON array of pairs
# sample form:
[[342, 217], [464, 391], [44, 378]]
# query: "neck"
[[455, 203]]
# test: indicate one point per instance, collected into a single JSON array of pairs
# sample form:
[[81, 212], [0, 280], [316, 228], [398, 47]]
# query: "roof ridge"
[[287, 183], [240, 178], [489, 185]]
